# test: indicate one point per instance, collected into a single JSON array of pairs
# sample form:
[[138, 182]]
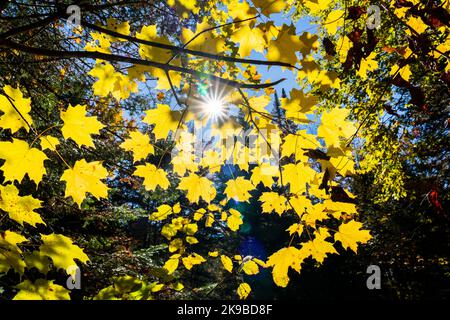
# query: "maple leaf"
[[241, 10], [367, 64], [192, 260], [164, 119], [150, 33], [184, 7], [285, 46], [281, 261], [249, 38], [11, 256], [172, 264], [226, 262], [20, 160], [85, 177], [250, 267], [107, 78], [238, 189], [297, 175], [12, 118], [49, 142], [164, 211], [334, 20], [197, 187], [234, 220], [37, 260], [334, 125], [269, 7], [298, 105], [319, 248], [118, 27], [315, 6], [175, 245], [295, 228], [349, 234], [19, 208], [78, 126], [265, 174], [272, 201], [153, 177], [205, 41], [296, 143], [41, 289], [62, 251], [244, 290], [139, 144]]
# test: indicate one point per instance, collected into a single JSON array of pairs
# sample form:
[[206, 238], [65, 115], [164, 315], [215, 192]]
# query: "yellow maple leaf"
[[416, 24], [19, 208], [334, 20], [153, 176], [107, 78], [139, 144], [281, 261], [238, 189], [295, 143], [192, 260], [12, 118], [243, 290], [163, 211], [49, 142], [213, 254], [295, 228], [315, 6], [11, 256], [250, 267], [172, 264], [202, 40], [20, 160], [175, 245], [197, 187], [335, 126], [349, 234], [285, 46], [268, 7], [249, 38], [234, 220], [241, 10], [272, 201], [150, 33], [297, 176], [319, 248], [404, 72], [184, 7], [264, 173], [62, 251], [78, 126], [41, 289], [36, 259], [298, 105], [164, 119], [85, 177], [226, 262], [367, 64]]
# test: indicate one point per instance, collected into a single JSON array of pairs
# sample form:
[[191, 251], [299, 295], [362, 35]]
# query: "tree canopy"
[[190, 148]]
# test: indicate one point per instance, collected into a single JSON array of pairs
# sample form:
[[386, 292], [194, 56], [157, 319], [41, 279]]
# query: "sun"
[[213, 108]]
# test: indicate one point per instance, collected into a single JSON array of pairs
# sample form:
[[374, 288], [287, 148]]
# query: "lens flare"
[[213, 107]]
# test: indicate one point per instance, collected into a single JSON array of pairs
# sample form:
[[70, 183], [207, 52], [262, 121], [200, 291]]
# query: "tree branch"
[[111, 57]]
